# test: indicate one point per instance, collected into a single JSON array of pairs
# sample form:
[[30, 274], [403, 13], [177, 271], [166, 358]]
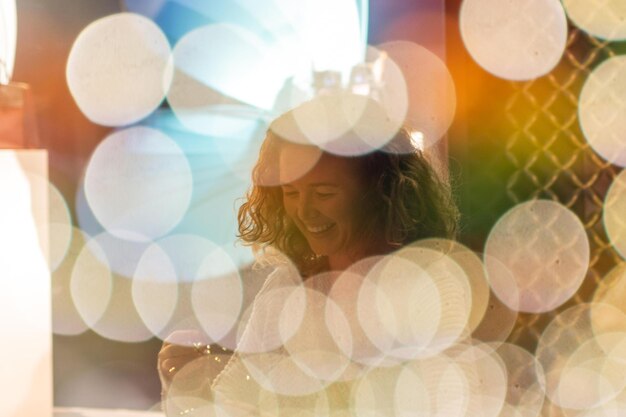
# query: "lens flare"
[[220, 57], [546, 249], [600, 109], [332, 40], [138, 183], [119, 69], [514, 40]]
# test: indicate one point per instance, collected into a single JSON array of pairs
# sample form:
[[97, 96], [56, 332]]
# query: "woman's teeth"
[[319, 229]]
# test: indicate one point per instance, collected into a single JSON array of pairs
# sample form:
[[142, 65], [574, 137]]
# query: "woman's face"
[[324, 202]]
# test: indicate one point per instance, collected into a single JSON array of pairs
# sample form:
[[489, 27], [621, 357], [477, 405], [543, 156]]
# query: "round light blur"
[[119, 69], [60, 227], [446, 383], [605, 19], [187, 269], [341, 123], [395, 289], [397, 391], [597, 368], [526, 381], [104, 298], [505, 39], [473, 269], [91, 283], [315, 336], [66, 319], [454, 291], [486, 376], [279, 373], [560, 341], [612, 288], [138, 183], [601, 106], [217, 293], [613, 213], [546, 249], [431, 91], [264, 333], [155, 289], [361, 350]]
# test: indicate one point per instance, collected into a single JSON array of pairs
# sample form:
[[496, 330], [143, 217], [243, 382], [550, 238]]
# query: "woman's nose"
[[306, 208]]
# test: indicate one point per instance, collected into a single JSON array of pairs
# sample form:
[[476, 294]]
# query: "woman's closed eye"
[[322, 195]]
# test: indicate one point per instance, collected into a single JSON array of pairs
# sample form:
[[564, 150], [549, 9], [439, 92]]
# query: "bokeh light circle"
[[119, 69], [525, 379], [613, 213], [546, 249], [566, 365], [340, 123], [318, 334], [601, 108], [91, 283], [514, 40], [454, 293], [66, 320], [217, 293], [155, 288], [396, 288], [103, 296], [430, 87], [605, 19], [60, 227], [473, 269], [486, 377], [138, 183]]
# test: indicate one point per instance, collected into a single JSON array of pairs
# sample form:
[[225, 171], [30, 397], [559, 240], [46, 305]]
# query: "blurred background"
[[516, 135]]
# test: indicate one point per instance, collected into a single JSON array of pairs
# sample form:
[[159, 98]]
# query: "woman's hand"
[[179, 349]]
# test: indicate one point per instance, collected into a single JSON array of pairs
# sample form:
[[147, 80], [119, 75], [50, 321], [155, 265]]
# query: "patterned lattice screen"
[[550, 159]]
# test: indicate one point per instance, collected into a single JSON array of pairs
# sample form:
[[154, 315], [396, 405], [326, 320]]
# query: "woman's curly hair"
[[406, 201]]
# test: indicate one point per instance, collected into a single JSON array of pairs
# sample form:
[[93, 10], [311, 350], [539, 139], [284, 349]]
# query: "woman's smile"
[[318, 230]]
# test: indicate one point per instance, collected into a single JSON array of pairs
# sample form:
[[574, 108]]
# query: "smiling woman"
[[325, 212]]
